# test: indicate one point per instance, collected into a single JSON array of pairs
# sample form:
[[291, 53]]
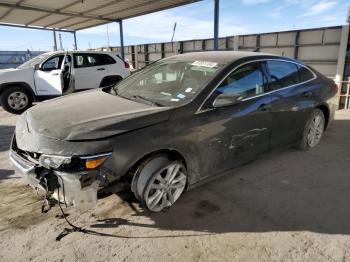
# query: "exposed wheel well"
[[170, 153], [108, 80], [325, 111], [3, 87]]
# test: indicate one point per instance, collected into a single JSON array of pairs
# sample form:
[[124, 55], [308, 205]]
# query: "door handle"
[[264, 107], [55, 74], [100, 69], [307, 94]]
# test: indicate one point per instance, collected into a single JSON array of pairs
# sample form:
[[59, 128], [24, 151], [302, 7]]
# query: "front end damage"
[[69, 183]]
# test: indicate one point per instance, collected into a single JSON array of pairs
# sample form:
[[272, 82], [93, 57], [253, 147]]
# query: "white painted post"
[[136, 50], [235, 42], [341, 57]]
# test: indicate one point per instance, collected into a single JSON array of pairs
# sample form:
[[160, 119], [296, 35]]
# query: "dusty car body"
[[211, 112]]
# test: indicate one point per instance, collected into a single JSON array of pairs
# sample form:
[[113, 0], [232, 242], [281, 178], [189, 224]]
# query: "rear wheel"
[[159, 183], [16, 99], [313, 130]]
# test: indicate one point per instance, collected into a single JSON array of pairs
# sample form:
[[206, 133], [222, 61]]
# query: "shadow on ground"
[[6, 133], [286, 190], [7, 174]]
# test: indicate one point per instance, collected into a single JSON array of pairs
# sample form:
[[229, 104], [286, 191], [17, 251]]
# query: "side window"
[[87, 60], [305, 74], [52, 63], [79, 60], [105, 59], [246, 81], [282, 74]]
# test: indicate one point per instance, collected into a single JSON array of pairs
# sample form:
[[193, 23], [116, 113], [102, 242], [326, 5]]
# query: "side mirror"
[[226, 99], [36, 67]]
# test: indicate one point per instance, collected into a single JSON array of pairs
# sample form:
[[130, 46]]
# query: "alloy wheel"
[[315, 131], [165, 187]]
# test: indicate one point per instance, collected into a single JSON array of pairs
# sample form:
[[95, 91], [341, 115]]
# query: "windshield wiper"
[[147, 100]]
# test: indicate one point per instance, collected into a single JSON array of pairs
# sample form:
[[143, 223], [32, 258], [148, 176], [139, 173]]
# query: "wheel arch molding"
[[25, 85]]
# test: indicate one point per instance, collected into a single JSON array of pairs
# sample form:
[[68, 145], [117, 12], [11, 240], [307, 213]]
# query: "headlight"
[[55, 162], [74, 162]]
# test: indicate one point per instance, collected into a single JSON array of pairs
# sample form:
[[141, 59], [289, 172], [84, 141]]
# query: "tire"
[[159, 182], [21, 96], [313, 131]]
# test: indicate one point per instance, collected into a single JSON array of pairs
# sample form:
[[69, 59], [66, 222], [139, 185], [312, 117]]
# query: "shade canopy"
[[73, 15]]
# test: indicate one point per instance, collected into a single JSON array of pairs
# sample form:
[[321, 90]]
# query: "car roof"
[[78, 51], [224, 57]]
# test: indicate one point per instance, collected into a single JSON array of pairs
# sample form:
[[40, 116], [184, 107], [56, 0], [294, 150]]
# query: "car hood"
[[91, 115], [8, 70]]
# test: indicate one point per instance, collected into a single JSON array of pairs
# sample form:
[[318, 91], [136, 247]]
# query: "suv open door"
[[48, 76]]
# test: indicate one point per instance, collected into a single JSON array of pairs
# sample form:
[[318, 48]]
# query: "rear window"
[[282, 74], [305, 74]]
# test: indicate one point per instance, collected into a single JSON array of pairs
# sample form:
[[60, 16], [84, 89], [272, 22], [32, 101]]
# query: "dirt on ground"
[[286, 206]]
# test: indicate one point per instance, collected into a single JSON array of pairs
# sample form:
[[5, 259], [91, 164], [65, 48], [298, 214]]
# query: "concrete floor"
[[287, 206]]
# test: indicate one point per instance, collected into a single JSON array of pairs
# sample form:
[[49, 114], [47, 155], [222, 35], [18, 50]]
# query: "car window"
[[88, 60], [305, 74], [53, 63], [35, 61], [246, 81], [106, 59], [282, 74], [168, 82]]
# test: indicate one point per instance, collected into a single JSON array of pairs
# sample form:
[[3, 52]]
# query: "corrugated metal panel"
[[50, 20], [21, 16], [80, 14]]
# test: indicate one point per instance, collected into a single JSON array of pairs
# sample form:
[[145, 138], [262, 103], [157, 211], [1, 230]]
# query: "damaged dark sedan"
[[179, 121]]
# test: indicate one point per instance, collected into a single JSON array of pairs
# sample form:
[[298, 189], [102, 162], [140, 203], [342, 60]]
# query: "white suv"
[[57, 73]]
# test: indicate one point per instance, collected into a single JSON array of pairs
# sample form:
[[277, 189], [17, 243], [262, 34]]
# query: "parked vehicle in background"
[[171, 125], [54, 74]]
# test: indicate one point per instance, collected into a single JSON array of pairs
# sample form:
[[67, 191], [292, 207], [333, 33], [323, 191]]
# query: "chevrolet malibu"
[[175, 123]]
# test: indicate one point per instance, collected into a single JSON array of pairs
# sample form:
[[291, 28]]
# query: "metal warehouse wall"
[[324, 49], [317, 47]]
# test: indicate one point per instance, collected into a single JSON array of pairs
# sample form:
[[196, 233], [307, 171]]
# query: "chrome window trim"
[[263, 94]]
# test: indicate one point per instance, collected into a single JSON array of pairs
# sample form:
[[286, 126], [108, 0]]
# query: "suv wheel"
[[159, 182], [16, 99], [313, 130]]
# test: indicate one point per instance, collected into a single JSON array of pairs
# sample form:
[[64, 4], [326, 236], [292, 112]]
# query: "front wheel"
[[159, 183], [16, 99], [313, 130]]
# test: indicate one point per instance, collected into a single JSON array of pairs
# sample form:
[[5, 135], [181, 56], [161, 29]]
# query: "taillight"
[[336, 88], [126, 64]]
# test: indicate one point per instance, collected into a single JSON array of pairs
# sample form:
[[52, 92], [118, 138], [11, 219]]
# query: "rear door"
[[291, 97], [232, 135], [89, 70]]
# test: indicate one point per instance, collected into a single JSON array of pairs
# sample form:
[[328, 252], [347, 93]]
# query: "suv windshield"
[[168, 82], [34, 61]]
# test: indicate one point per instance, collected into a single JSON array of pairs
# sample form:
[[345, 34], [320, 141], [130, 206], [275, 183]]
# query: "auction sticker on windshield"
[[204, 64]]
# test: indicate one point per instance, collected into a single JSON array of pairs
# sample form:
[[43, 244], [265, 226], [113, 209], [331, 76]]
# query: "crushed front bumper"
[[68, 188]]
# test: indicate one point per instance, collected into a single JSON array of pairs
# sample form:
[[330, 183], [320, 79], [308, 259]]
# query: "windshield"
[[168, 82], [34, 61]]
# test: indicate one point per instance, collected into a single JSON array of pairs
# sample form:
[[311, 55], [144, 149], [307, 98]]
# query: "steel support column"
[[54, 40], [75, 40], [121, 38], [216, 24]]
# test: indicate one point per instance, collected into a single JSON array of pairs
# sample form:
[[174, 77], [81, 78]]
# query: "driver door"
[[48, 78], [235, 134]]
